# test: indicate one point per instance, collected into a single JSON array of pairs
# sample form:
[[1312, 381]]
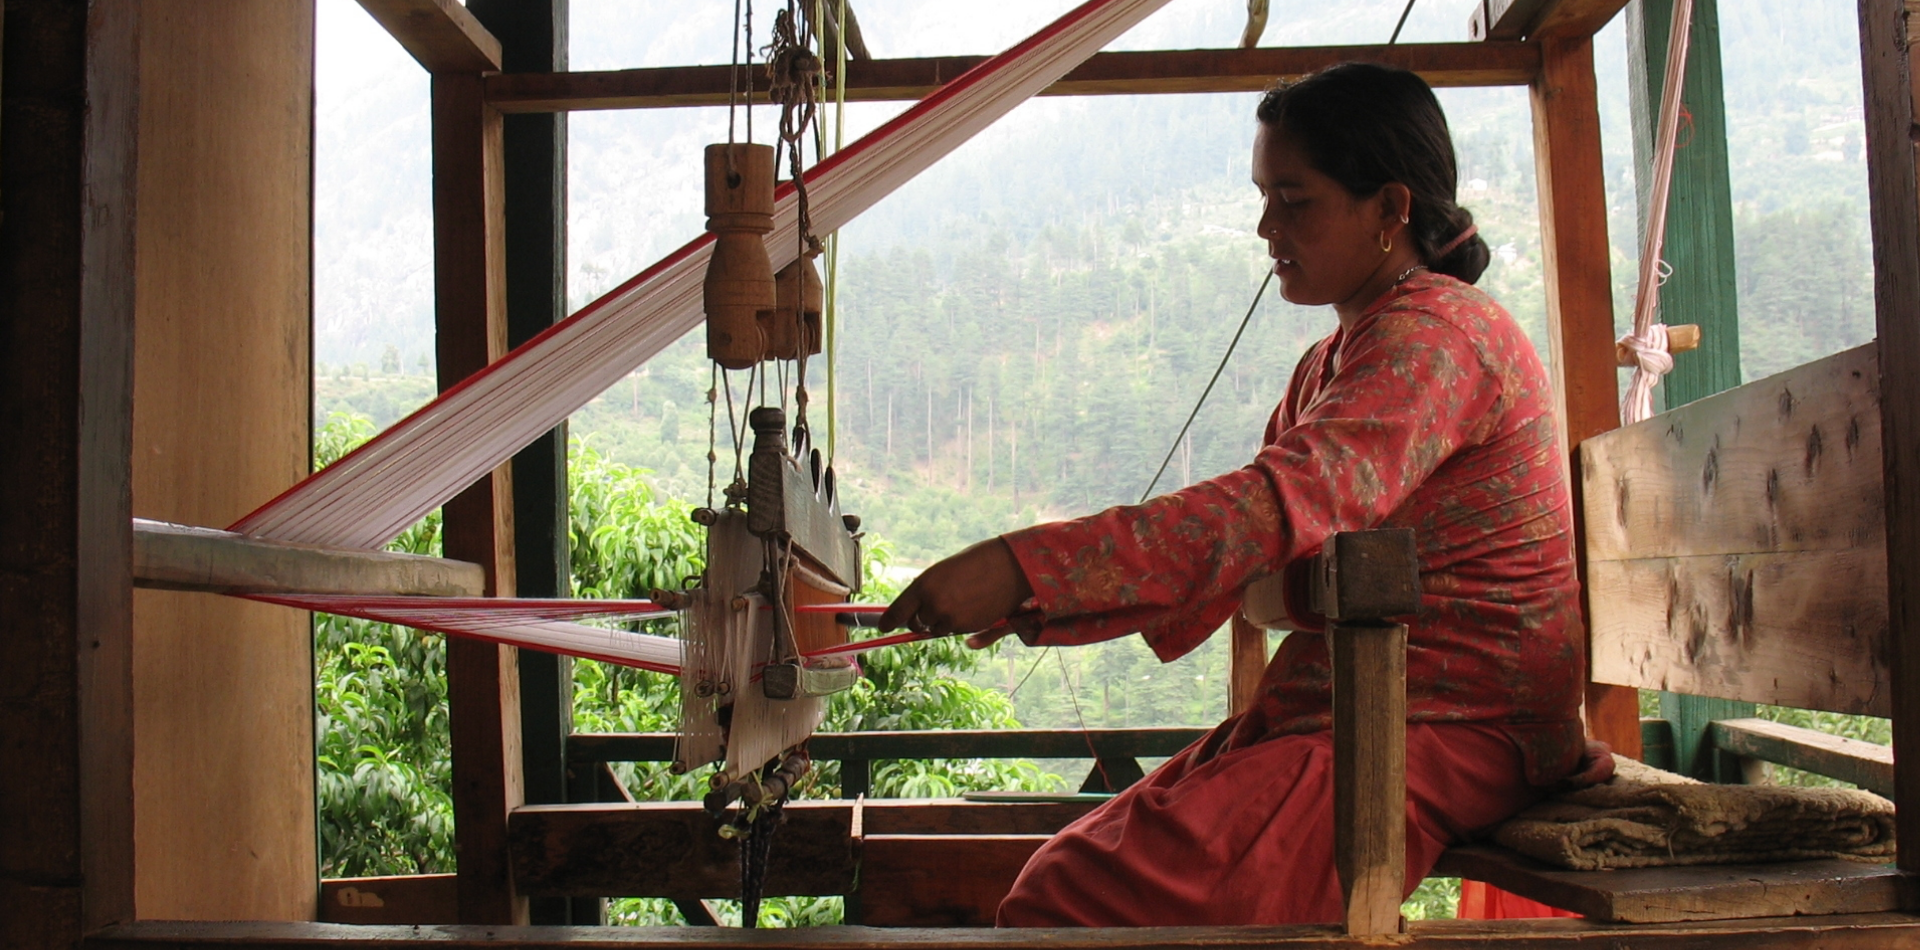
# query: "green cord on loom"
[[1224, 357], [833, 240]]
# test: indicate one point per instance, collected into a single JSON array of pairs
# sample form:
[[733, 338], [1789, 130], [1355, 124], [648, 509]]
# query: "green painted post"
[[1701, 290]]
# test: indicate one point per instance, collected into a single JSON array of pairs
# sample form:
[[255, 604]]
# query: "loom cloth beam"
[[368, 497]]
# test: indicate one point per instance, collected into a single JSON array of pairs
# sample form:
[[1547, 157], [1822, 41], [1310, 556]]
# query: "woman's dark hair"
[[1365, 125]]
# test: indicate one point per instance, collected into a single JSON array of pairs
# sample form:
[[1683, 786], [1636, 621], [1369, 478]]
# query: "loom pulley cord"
[[1648, 343]]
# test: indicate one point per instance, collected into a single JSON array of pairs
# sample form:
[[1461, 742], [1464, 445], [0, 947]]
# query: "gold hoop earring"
[[1386, 243]]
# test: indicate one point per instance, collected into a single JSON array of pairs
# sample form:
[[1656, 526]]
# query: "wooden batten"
[[182, 557], [1105, 74], [1736, 545]]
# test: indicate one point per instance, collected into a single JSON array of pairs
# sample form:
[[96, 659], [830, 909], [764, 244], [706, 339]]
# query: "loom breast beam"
[[182, 557], [368, 497]]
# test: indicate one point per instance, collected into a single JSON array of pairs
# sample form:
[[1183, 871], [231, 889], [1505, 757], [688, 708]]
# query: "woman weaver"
[[1427, 409]]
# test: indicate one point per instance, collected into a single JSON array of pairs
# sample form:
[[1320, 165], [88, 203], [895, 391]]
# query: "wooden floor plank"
[[1853, 932]]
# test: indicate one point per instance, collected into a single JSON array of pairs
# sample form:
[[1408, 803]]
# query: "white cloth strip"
[[368, 497], [1636, 403]]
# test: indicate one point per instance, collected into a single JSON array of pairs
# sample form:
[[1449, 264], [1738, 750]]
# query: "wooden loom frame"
[[1556, 61]]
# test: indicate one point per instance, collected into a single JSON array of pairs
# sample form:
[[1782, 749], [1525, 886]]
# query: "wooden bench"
[[1735, 547]]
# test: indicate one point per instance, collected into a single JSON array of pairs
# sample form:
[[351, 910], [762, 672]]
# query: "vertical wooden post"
[[470, 319], [1573, 226], [1885, 61], [533, 38], [1245, 665], [67, 238], [1370, 772], [102, 562], [1699, 246]]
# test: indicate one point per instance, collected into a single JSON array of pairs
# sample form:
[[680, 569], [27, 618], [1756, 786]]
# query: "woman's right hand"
[[970, 591]]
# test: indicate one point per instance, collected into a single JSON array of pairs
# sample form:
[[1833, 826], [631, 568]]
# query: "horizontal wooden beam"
[[440, 34], [1502, 19], [1849, 932], [1538, 19], [1866, 764], [921, 744], [1569, 19], [939, 880], [1700, 892], [672, 849], [1121, 73], [183, 557], [408, 899]]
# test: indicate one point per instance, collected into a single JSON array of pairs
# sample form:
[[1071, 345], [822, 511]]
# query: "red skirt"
[[1246, 836]]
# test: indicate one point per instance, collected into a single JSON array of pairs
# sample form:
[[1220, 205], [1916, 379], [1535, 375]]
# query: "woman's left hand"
[[972, 590]]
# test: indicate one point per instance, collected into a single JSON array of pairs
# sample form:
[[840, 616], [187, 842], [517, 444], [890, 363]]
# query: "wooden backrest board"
[[1736, 547]]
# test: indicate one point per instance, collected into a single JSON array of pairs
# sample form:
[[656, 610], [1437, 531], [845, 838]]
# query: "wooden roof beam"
[[1507, 20], [441, 34], [1125, 73]]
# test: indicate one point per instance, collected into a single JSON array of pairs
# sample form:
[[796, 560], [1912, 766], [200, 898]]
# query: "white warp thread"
[[368, 497]]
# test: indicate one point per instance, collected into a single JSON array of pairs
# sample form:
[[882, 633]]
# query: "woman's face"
[[1325, 243]]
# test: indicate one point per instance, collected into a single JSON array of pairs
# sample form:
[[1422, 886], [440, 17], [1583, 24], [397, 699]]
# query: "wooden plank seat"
[[1698, 892]]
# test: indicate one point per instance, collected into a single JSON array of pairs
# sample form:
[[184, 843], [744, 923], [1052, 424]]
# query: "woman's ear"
[[1396, 207]]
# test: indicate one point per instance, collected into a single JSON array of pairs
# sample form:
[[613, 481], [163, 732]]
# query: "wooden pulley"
[[794, 321], [739, 283]]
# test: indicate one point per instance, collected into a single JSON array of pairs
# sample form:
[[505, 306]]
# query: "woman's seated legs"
[[1246, 836]]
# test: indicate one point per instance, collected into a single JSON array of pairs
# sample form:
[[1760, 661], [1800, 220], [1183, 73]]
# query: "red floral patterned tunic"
[[1434, 413]]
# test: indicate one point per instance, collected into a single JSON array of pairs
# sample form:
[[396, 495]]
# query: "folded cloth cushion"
[[1644, 817]]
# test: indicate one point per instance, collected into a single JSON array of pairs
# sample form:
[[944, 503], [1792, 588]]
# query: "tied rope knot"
[[1651, 360]]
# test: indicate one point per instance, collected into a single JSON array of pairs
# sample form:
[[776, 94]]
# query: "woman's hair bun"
[[1466, 260]]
